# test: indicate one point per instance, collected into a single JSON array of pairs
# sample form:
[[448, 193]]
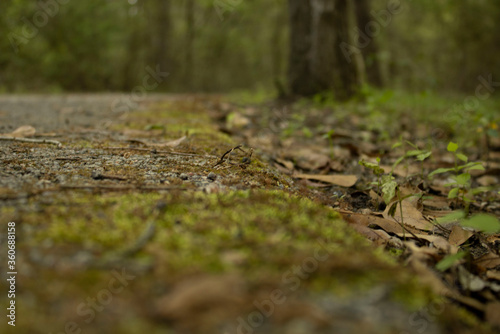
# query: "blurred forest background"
[[228, 45]]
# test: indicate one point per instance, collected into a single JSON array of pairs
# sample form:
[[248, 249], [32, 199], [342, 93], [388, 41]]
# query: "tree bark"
[[317, 63], [161, 33], [188, 70], [346, 83], [370, 50], [300, 74]]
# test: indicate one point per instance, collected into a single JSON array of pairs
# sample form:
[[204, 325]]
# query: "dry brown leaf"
[[437, 202], [197, 295], [488, 261], [492, 313], [21, 132], [493, 274], [411, 216], [373, 235], [387, 225], [308, 158], [337, 166], [487, 180], [469, 281], [438, 241], [458, 235], [401, 170], [174, 143], [339, 180], [286, 163]]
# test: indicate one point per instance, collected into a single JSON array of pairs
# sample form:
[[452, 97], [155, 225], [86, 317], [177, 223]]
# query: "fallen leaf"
[[21, 132], [411, 216], [286, 163], [493, 274], [437, 202], [458, 235], [402, 170], [373, 235], [201, 296], [438, 241], [387, 225], [175, 143], [469, 281], [492, 312], [488, 261], [487, 180], [308, 158], [339, 180]]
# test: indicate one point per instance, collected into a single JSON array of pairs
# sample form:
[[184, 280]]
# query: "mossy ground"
[[71, 243]]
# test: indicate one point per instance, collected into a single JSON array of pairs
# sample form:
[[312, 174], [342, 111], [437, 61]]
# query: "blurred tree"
[[316, 62], [190, 30], [160, 33], [347, 80], [366, 43]]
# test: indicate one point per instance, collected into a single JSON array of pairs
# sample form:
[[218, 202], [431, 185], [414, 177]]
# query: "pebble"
[[212, 176]]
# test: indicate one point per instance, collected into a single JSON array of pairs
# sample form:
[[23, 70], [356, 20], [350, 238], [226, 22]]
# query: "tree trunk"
[[346, 83], [316, 63], [161, 27], [188, 70], [300, 76], [369, 49]]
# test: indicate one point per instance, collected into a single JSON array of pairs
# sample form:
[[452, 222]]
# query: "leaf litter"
[[408, 226]]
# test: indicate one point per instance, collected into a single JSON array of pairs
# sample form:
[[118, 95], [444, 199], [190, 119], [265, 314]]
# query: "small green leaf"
[[374, 167], [397, 162], [471, 165], [462, 157], [453, 193], [452, 147], [451, 217], [423, 156], [449, 260], [439, 171], [484, 223], [475, 167], [396, 145], [411, 144], [479, 190], [389, 191], [463, 179]]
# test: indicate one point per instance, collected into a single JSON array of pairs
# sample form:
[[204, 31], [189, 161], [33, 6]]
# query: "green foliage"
[[375, 167], [414, 152], [386, 184], [461, 185], [449, 260], [483, 222], [92, 45]]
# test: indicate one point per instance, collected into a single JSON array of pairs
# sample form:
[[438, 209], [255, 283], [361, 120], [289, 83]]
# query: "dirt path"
[[136, 224]]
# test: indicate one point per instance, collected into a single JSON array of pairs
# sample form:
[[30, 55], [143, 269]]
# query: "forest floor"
[[199, 214]]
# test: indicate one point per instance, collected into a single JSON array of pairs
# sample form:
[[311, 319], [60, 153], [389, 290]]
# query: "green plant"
[[418, 154], [461, 186], [482, 222], [386, 184], [329, 136]]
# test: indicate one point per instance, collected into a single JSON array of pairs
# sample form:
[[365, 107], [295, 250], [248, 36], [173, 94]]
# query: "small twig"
[[119, 188], [99, 176], [155, 151], [68, 158], [221, 160], [32, 140]]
